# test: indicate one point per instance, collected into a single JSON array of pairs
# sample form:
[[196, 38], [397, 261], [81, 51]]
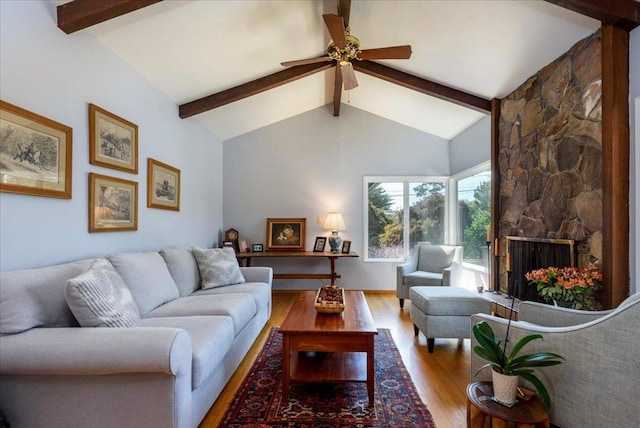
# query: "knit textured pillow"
[[100, 298], [218, 267]]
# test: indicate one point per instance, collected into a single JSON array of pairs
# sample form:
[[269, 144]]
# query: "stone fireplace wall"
[[550, 154]]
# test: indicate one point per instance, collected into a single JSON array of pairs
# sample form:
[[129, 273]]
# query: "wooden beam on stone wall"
[[615, 165], [80, 14], [624, 14]]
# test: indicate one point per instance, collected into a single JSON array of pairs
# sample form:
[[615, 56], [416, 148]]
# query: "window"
[[473, 212], [403, 211]]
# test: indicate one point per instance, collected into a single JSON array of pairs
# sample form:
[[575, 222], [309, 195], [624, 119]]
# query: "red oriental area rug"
[[259, 401]]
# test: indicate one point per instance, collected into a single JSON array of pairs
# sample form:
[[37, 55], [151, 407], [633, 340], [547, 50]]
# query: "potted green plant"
[[513, 364]]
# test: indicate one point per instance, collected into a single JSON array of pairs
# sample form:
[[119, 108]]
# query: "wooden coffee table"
[[343, 343]]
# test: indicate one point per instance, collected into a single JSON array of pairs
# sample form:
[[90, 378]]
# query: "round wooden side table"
[[481, 408]]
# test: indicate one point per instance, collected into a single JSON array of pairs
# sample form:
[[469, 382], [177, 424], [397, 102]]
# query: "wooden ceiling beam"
[[624, 14], [251, 88], [423, 86], [80, 14]]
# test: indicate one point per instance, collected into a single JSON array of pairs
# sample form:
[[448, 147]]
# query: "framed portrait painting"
[[113, 141], [163, 186], [35, 154], [287, 234], [113, 204]]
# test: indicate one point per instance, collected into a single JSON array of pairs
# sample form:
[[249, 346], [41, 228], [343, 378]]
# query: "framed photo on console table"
[[35, 154], [113, 141], [163, 186], [346, 247], [113, 204], [318, 247], [286, 234]]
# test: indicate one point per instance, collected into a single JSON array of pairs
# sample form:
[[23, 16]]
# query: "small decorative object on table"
[[329, 300]]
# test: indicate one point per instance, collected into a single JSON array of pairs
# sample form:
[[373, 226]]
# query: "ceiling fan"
[[345, 48]]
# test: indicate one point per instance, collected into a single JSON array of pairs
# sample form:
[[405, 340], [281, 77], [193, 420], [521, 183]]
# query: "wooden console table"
[[246, 257]]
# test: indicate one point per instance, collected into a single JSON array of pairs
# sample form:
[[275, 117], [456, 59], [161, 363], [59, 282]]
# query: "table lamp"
[[334, 223]]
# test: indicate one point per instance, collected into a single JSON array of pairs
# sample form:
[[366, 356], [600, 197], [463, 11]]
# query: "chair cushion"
[[100, 298], [450, 301], [211, 339], [422, 278], [434, 258], [218, 267], [148, 278], [183, 268], [35, 297]]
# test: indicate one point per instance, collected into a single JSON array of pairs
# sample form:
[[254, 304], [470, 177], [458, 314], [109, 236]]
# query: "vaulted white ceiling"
[[190, 49]]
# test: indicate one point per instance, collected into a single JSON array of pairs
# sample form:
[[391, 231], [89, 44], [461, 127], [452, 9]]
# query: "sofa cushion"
[[35, 297], [218, 267], [148, 278], [211, 339], [260, 291], [100, 298], [241, 307], [183, 268]]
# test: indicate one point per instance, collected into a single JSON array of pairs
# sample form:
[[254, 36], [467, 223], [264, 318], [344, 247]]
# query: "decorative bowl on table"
[[329, 300]]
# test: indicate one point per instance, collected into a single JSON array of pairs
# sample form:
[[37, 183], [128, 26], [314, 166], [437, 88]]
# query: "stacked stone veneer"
[[550, 154]]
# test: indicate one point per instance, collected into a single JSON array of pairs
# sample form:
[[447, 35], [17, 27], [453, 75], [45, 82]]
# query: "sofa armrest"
[[257, 274], [554, 316], [96, 351]]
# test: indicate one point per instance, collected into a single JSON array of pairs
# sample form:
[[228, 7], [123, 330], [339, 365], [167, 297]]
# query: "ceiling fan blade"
[[344, 10], [335, 25], [337, 92], [305, 61], [349, 80], [392, 52]]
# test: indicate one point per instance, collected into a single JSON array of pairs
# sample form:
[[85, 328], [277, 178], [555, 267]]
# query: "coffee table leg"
[[370, 371], [286, 360]]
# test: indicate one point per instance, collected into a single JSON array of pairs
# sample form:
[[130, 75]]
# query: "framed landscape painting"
[[286, 234], [35, 154], [113, 141], [163, 186], [113, 204]]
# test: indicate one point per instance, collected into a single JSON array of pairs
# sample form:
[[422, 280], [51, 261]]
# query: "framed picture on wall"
[[286, 234], [113, 141], [113, 205], [35, 154], [163, 186]]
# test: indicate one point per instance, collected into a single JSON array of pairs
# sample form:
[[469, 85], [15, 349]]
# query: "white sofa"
[[165, 372]]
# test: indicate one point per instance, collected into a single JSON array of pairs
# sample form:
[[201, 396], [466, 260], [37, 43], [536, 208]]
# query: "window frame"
[[405, 180]]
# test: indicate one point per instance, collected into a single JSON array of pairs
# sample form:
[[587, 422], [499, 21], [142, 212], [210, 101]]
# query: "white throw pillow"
[[218, 267], [100, 298]]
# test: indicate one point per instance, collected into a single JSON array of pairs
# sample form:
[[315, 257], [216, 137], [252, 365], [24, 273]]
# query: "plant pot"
[[505, 388]]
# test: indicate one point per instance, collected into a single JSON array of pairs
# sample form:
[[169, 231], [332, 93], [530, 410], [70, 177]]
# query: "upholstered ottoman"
[[445, 312]]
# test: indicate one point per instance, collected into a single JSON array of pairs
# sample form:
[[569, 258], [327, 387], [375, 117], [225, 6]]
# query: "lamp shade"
[[334, 221]]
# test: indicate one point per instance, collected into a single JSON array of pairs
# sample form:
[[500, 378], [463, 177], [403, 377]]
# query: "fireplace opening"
[[527, 254]]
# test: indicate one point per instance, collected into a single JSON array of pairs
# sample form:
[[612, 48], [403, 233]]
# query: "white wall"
[[472, 146], [313, 163], [634, 159], [56, 75]]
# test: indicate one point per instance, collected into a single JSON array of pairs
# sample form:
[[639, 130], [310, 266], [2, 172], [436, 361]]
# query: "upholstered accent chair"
[[597, 383], [429, 265]]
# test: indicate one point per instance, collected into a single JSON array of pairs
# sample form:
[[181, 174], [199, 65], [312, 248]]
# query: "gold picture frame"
[[287, 234], [113, 204], [113, 141], [163, 186], [35, 154]]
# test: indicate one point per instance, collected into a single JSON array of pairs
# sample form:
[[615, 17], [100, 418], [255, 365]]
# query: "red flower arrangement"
[[569, 287]]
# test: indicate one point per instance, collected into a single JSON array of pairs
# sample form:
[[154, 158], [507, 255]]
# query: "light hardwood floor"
[[441, 378]]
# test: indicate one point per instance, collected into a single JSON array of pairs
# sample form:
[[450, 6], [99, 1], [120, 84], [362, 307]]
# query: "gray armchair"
[[597, 383], [429, 265]]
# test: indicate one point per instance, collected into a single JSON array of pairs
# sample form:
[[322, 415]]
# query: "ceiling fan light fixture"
[[349, 80]]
